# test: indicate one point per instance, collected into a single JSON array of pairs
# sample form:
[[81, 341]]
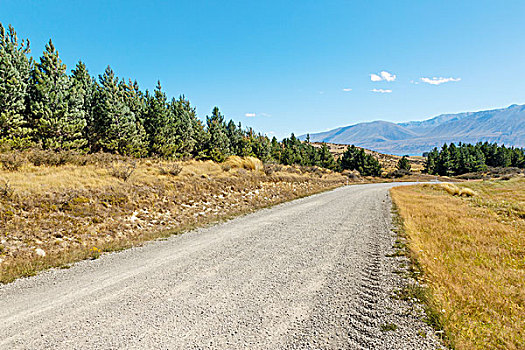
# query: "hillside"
[[504, 126], [388, 161]]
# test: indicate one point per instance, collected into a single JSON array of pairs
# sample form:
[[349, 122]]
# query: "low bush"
[[399, 173], [352, 174], [172, 169], [11, 161], [49, 158], [123, 171], [268, 169], [471, 176], [504, 171]]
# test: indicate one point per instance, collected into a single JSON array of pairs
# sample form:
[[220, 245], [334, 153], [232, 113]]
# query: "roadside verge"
[[466, 243], [52, 216]]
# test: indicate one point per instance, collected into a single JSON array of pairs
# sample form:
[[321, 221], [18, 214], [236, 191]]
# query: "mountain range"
[[504, 126]]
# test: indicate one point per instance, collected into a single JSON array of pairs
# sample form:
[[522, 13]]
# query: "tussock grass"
[[75, 206], [248, 163], [456, 191], [472, 252]]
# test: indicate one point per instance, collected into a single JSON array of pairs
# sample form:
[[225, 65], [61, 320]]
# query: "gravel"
[[308, 274]]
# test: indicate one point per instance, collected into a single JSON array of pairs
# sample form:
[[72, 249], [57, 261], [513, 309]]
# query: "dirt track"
[[311, 273]]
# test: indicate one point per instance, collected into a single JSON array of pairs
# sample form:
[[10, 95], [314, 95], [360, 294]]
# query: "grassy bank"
[[57, 209], [469, 239]]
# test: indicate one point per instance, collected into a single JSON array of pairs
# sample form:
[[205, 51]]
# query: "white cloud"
[[265, 115], [438, 80], [383, 91], [375, 77], [384, 75], [250, 115], [388, 76], [347, 89]]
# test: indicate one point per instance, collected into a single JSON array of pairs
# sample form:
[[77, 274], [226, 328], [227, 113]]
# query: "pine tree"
[[159, 124], [371, 167], [218, 147], [117, 130], [326, 159], [517, 158], [276, 150], [291, 153], [356, 159], [261, 147], [430, 162], [502, 157], [478, 161], [239, 144], [404, 164], [187, 129], [81, 94], [56, 118], [443, 162], [453, 158], [15, 68], [134, 99]]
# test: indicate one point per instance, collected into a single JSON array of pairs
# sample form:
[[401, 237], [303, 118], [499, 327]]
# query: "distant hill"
[[504, 126]]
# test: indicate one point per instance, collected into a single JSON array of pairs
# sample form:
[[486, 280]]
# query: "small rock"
[[40, 252]]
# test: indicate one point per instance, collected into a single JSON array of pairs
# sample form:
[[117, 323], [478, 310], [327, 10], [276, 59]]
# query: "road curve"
[[308, 274]]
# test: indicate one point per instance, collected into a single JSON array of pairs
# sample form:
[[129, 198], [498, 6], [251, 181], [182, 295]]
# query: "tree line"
[[453, 160], [43, 106]]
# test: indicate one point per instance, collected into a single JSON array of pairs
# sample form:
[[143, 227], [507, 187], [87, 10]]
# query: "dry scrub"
[[472, 251], [72, 207]]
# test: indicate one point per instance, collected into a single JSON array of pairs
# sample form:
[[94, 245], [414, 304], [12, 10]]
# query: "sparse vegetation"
[[471, 250], [123, 171], [112, 202]]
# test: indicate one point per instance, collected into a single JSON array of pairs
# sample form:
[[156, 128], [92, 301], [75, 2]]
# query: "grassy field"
[[469, 239], [57, 209]]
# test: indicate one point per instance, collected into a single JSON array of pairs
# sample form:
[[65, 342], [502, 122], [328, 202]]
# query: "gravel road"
[[308, 274]]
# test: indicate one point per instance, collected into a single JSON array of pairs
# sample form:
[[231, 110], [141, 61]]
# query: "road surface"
[[307, 274]]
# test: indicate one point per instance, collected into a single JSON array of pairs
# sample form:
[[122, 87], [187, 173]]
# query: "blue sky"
[[282, 66]]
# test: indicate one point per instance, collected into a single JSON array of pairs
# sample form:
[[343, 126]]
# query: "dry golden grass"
[[456, 191], [98, 203], [248, 163], [472, 250]]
